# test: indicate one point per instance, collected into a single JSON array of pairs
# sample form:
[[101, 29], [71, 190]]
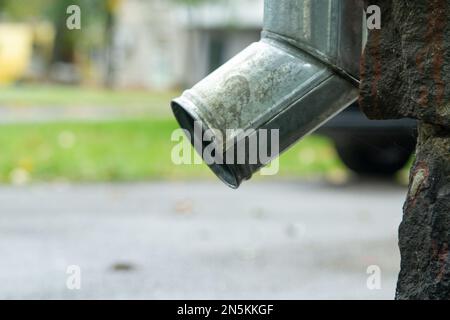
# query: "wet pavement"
[[278, 240]]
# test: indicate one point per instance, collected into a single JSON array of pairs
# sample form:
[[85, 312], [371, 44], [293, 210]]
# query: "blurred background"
[[87, 179]]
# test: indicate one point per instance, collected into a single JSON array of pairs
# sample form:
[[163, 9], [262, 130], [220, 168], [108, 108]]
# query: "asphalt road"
[[290, 240], [36, 114]]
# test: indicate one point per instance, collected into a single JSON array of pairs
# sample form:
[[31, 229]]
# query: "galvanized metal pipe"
[[302, 73]]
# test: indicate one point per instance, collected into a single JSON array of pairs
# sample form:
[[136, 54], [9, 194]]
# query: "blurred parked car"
[[371, 147]]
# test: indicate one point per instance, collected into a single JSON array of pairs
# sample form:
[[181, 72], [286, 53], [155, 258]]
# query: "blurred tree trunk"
[[110, 63], [112, 7], [405, 72], [65, 39]]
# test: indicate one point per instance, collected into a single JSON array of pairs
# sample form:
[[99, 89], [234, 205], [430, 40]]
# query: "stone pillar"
[[405, 72]]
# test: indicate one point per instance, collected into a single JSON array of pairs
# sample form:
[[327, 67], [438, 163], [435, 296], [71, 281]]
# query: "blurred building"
[[163, 44], [156, 44]]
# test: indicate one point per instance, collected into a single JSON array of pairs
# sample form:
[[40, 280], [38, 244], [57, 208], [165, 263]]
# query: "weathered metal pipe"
[[302, 73]]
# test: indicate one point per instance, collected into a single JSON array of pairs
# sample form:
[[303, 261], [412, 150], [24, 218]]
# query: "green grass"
[[128, 150], [124, 151]]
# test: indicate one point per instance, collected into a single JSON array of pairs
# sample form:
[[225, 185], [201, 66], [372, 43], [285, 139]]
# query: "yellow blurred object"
[[113, 5], [16, 45]]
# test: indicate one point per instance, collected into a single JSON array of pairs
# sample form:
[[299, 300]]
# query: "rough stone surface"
[[425, 231], [405, 72], [406, 65]]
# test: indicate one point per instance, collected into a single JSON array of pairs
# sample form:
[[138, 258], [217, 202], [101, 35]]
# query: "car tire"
[[376, 156]]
